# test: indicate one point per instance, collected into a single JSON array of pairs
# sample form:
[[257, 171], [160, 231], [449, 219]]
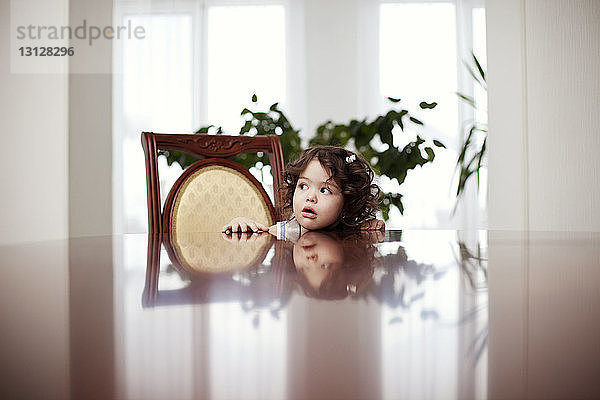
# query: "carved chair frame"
[[217, 148]]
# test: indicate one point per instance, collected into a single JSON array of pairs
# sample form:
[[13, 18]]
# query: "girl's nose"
[[312, 197]]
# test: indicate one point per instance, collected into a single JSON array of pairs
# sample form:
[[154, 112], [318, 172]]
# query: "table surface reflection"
[[405, 314]]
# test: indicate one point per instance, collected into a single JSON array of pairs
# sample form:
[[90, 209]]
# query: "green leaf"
[[254, 98], [438, 143], [467, 99], [416, 121], [398, 203], [396, 200], [203, 130], [427, 106], [386, 137], [430, 153], [385, 211], [480, 155], [246, 127], [400, 207], [478, 65], [477, 79], [465, 148], [393, 100]]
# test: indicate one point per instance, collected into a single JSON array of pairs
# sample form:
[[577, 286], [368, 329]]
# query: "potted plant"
[[393, 162]]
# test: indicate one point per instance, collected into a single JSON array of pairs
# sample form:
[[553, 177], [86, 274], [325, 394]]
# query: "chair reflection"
[[256, 269], [215, 270]]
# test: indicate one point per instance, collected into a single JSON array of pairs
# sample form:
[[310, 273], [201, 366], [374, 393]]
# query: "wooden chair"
[[213, 190], [207, 195]]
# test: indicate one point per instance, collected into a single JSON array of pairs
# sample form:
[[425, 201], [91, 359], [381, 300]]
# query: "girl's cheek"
[[294, 202]]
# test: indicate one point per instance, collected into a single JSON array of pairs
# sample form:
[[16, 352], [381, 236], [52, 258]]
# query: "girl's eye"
[[303, 186], [325, 191]]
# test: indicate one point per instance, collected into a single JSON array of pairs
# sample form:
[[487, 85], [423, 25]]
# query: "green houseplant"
[[393, 162], [472, 154]]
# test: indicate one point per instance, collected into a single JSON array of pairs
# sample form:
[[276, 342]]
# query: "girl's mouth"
[[308, 212]]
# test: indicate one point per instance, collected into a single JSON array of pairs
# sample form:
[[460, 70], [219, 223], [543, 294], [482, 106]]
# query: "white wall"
[[337, 36], [90, 125], [563, 86], [332, 81], [544, 98], [56, 167], [33, 164]]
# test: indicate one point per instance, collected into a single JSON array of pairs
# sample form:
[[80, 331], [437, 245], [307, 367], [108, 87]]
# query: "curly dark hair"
[[354, 176]]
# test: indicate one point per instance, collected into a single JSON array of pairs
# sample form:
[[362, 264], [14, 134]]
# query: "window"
[[417, 53], [422, 47], [246, 55], [199, 64], [154, 91]]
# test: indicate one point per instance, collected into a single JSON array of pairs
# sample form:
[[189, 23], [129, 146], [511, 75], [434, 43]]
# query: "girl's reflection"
[[327, 264]]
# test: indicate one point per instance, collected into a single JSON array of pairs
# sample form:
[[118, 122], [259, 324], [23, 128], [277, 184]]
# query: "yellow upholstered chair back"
[[211, 196]]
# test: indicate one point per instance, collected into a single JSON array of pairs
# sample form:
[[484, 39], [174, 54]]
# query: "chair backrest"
[[213, 190]]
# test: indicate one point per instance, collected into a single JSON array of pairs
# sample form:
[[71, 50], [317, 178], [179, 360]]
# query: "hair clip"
[[351, 158]]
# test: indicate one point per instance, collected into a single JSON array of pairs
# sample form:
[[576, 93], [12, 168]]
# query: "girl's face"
[[317, 201]]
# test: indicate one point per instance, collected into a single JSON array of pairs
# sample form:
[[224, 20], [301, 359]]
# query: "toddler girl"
[[326, 188]]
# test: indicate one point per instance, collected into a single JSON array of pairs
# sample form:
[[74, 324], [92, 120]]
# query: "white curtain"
[[202, 61]]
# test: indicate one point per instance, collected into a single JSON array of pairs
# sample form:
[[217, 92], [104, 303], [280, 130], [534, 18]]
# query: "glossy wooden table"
[[411, 315]]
